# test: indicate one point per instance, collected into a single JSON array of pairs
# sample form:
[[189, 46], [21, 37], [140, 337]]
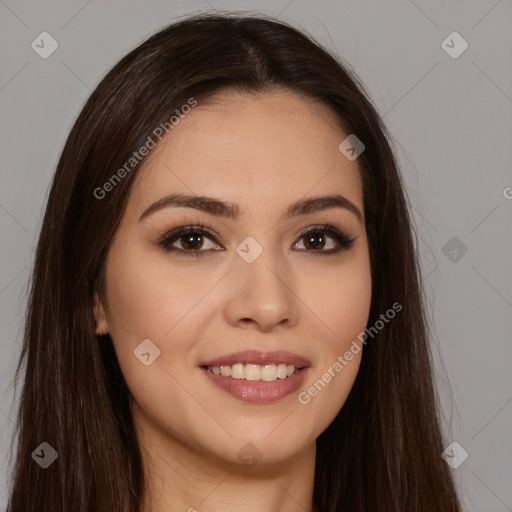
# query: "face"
[[241, 283]]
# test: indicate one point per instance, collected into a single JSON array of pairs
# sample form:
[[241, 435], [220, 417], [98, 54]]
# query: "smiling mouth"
[[255, 372]]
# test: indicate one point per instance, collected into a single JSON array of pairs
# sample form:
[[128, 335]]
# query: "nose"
[[261, 294]]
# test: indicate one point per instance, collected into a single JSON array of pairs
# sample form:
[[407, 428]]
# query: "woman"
[[226, 310]]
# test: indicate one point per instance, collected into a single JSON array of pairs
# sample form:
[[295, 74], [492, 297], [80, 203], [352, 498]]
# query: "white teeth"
[[268, 372], [252, 372], [237, 371], [226, 371], [281, 371]]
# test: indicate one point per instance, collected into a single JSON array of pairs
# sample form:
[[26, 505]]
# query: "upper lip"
[[257, 357]]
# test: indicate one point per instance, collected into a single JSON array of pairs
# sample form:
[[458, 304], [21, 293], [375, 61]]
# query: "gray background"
[[452, 124]]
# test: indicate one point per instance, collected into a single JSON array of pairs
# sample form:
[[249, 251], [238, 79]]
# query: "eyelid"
[[344, 240], [340, 236], [164, 239]]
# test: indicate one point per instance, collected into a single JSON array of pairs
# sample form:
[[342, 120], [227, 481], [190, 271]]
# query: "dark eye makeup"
[[191, 238]]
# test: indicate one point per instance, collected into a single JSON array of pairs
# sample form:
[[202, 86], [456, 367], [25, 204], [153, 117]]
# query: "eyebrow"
[[229, 210]]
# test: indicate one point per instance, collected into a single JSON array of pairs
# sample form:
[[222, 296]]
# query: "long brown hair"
[[383, 450]]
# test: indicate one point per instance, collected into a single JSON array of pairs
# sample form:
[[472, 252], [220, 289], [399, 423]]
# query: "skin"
[[262, 152]]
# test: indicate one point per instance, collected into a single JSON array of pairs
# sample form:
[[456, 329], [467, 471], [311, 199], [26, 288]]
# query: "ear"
[[100, 315]]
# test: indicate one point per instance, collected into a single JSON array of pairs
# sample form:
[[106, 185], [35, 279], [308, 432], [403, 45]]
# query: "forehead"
[[264, 149]]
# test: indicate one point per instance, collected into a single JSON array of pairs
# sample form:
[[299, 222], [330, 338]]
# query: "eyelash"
[[168, 238]]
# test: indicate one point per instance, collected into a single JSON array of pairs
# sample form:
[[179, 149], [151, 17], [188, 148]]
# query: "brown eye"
[[316, 241], [189, 241], [192, 241]]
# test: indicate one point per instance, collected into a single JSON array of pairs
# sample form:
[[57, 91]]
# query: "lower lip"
[[258, 391]]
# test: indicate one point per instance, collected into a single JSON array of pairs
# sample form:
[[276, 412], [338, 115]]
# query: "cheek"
[[136, 299], [341, 302], [148, 296], [149, 302], [151, 298]]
